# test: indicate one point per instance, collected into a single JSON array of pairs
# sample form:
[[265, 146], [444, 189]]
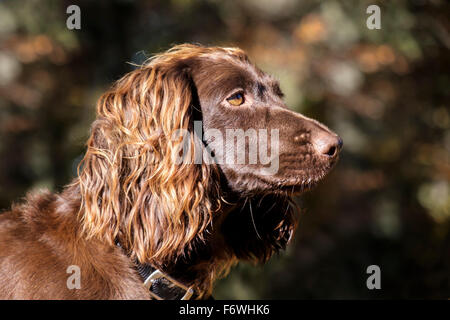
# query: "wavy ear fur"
[[131, 187]]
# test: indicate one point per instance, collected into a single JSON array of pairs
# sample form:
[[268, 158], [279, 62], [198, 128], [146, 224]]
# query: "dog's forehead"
[[228, 63], [234, 54]]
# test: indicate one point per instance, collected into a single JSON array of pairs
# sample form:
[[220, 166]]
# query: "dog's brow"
[[276, 88], [261, 89]]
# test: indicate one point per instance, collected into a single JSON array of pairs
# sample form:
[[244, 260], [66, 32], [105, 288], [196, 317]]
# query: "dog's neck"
[[249, 229], [208, 259], [242, 229], [199, 266]]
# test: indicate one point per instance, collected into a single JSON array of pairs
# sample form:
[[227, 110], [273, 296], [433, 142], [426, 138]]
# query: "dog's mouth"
[[296, 187], [299, 181], [290, 180], [289, 186]]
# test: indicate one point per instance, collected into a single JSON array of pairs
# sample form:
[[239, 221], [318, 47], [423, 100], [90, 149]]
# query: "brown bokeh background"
[[386, 92]]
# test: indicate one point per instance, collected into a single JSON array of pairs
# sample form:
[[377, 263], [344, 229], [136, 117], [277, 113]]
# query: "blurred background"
[[385, 92]]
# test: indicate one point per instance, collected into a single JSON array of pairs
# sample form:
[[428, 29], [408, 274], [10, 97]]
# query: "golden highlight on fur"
[[133, 202], [128, 179]]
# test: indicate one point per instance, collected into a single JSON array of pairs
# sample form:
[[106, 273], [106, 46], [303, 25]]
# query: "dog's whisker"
[[253, 220]]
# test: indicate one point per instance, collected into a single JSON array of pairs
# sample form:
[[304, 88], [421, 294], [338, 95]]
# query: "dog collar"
[[161, 286]]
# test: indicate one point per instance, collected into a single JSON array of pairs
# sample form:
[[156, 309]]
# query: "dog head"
[[170, 134], [260, 145]]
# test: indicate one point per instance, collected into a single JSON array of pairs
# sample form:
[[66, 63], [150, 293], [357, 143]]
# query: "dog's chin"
[[282, 186], [286, 182], [294, 185], [293, 188]]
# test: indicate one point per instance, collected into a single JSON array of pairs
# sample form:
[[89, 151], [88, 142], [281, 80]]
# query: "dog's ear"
[[132, 185]]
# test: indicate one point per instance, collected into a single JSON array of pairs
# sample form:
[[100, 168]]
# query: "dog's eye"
[[236, 99]]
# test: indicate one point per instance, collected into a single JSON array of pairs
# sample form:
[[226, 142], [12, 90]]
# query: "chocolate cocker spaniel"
[[190, 167]]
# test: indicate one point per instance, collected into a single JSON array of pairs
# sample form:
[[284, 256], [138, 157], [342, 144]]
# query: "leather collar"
[[161, 286]]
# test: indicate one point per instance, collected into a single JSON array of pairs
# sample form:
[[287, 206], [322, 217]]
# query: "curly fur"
[[193, 221]]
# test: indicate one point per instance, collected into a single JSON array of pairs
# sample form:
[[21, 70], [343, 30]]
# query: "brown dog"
[[190, 167]]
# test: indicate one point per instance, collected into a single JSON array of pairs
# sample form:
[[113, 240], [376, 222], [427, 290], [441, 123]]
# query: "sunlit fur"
[[132, 202], [131, 188]]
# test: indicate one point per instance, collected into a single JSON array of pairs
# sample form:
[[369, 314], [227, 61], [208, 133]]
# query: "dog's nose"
[[327, 143]]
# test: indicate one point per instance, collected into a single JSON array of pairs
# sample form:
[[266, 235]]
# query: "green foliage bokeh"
[[385, 92]]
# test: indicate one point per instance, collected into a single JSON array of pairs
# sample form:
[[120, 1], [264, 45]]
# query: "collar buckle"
[[157, 274]]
